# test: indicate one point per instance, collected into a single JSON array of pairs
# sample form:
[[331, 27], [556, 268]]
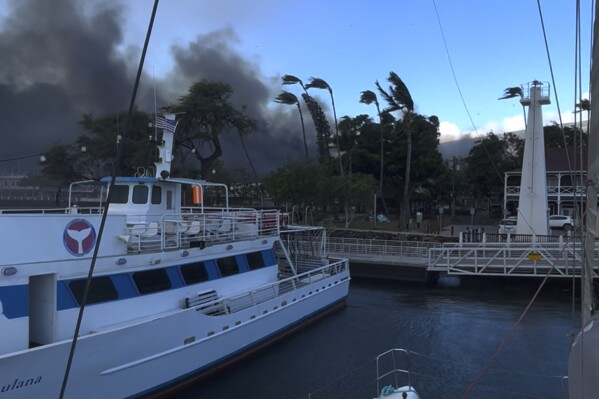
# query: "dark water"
[[454, 329]]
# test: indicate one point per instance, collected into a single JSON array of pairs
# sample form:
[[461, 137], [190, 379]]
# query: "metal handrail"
[[280, 287], [394, 370]]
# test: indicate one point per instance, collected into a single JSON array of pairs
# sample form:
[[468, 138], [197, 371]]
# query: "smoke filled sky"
[[63, 58]]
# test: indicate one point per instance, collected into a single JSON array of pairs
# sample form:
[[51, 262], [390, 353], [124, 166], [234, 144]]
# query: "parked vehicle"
[[560, 222], [507, 226]]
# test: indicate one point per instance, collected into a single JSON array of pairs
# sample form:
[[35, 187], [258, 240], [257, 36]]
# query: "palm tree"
[[399, 99], [369, 97], [318, 83], [321, 124], [291, 80], [511, 92], [290, 99]]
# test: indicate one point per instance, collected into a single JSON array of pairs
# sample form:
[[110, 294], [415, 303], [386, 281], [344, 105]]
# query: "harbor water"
[[452, 330]]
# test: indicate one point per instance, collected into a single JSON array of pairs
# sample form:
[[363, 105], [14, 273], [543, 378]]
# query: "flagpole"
[[155, 112]]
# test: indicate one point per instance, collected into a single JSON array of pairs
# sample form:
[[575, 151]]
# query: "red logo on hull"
[[79, 237]]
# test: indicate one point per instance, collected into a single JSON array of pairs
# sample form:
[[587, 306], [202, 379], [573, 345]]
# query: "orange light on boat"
[[196, 195]]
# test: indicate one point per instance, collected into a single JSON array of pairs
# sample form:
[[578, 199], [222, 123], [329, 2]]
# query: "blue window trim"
[[15, 298]]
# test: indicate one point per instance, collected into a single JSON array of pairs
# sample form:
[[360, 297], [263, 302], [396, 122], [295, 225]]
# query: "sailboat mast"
[[592, 185]]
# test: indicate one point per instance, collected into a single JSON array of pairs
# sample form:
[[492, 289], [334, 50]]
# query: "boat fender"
[[386, 391], [196, 194]]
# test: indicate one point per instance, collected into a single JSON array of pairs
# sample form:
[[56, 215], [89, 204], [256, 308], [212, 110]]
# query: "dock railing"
[[355, 248], [529, 257]]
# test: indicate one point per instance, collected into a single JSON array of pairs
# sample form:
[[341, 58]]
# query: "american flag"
[[166, 124]]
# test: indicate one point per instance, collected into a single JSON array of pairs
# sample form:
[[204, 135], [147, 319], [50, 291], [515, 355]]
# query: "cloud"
[[449, 131]]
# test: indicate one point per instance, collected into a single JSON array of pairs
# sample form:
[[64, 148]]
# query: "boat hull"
[[158, 355]]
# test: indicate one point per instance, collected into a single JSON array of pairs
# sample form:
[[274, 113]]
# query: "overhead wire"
[[455, 79], [119, 156], [491, 160]]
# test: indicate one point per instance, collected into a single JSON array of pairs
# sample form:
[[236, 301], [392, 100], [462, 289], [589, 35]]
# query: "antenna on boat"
[[155, 112], [116, 164]]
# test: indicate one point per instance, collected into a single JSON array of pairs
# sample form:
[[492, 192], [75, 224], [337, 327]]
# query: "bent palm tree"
[[511, 92], [290, 99], [369, 97], [318, 83], [399, 99], [323, 130], [291, 80]]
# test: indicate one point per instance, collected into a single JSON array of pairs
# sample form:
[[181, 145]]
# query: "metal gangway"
[[383, 251], [512, 255]]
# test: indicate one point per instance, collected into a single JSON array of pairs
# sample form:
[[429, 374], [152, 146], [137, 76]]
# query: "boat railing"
[[238, 302], [43, 211], [191, 229], [389, 360]]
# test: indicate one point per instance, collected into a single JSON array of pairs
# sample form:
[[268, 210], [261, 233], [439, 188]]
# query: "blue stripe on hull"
[[15, 301]]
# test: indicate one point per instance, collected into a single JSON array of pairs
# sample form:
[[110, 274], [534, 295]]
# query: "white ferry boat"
[[179, 289]]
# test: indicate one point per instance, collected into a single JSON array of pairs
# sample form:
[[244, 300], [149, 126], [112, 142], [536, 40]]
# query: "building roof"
[[556, 159]]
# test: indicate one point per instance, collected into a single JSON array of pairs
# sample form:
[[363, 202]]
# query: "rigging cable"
[[511, 332], [119, 156], [466, 107], [455, 79]]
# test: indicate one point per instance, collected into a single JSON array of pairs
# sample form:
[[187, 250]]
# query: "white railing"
[[390, 249], [176, 231], [235, 303], [559, 259]]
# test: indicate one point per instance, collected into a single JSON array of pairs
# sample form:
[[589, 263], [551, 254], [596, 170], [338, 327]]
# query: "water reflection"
[[453, 329]]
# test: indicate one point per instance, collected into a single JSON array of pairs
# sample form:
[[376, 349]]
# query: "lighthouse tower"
[[532, 207]]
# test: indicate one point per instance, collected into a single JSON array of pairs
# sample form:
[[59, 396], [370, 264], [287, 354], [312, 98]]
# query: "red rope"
[[493, 358]]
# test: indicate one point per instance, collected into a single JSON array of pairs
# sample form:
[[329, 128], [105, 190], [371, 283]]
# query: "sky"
[[67, 57]]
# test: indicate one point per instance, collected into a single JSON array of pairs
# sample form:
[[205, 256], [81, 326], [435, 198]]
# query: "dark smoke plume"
[[61, 60]]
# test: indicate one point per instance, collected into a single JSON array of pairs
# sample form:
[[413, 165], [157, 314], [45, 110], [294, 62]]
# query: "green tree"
[[429, 177], [369, 97], [100, 142], [486, 164], [556, 138], [290, 99], [311, 184], [319, 83], [399, 99], [206, 113], [349, 131], [321, 124], [94, 153], [299, 183]]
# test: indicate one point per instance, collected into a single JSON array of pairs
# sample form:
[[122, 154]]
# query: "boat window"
[[119, 194], [169, 199], [152, 281], [227, 266], [140, 194], [101, 289], [194, 273], [156, 195], [255, 260]]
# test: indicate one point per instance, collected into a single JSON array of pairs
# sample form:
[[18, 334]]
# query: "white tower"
[[532, 206]]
